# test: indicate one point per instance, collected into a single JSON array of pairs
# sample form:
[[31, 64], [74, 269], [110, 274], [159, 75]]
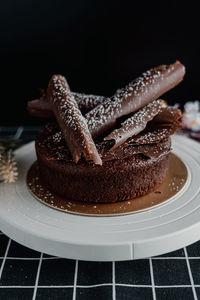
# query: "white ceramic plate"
[[161, 229]]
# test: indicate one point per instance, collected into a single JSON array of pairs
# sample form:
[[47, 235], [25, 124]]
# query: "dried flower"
[[8, 167], [191, 115]]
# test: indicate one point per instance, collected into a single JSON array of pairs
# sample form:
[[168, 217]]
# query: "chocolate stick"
[[72, 123], [42, 108], [148, 87], [135, 124], [87, 102]]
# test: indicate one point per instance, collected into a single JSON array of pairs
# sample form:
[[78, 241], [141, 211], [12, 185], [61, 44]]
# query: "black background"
[[98, 45]]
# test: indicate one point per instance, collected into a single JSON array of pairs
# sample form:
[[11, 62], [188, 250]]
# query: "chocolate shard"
[[72, 123], [149, 150], [168, 116], [135, 124], [164, 124], [153, 135], [42, 108], [148, 87], [125, 150]]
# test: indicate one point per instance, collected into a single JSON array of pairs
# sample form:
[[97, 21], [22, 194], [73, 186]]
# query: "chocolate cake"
[[118, 150], [130, 172]]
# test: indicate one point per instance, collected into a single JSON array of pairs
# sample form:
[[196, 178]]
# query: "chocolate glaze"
[[73, 125], [148, 87], [135, 124]]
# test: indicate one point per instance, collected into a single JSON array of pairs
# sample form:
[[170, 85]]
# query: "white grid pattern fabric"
[[110, 280], [26, 274]]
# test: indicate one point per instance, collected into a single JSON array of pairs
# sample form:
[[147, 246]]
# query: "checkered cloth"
[[26, 274]]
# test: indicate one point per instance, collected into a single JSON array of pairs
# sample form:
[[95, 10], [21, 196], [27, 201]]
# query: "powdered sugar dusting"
[[141, 84], [57, 137], [87, 102], [128, 99], [154, 136]]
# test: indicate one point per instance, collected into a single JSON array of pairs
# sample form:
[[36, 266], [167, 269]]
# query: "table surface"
[[26, 274]]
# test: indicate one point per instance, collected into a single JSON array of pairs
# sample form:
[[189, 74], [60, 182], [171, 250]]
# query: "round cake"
[[132, 170]]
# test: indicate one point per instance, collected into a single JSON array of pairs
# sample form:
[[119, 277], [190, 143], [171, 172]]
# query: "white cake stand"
[[164, 228]]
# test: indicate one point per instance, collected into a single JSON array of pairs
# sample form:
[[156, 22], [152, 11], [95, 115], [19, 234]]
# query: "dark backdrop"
[[99, 46]]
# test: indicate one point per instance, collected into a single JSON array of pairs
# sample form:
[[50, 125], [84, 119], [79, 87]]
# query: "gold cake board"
[[174, 182]]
